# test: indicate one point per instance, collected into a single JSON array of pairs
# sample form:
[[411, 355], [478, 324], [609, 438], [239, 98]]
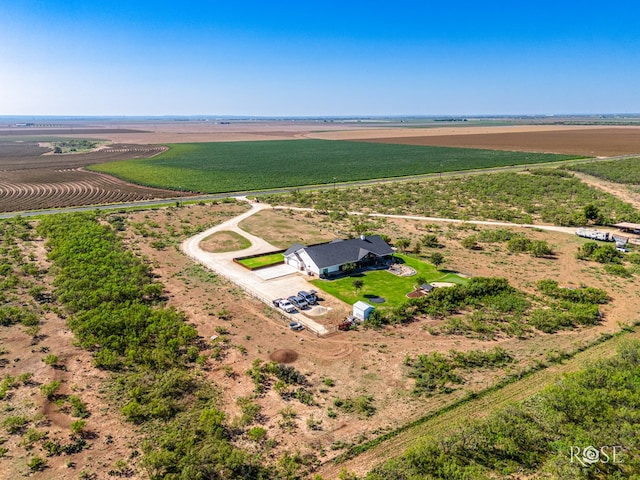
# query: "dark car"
[[309, 297], [299, 302]]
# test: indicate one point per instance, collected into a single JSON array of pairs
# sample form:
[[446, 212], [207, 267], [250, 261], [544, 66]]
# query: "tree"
[[430, 240], [540, 248], [591, 212], [437, 259], [357, 284], [402, 243]]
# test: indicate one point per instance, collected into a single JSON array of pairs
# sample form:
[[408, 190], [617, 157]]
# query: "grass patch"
[[233, 166], [384, 284], [225, 241], [262, 261]]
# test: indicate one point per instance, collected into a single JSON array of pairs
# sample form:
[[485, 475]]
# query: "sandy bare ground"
[[586, 141], [373, 133]]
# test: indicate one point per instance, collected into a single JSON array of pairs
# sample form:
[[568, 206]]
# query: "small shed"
[[362, 310]]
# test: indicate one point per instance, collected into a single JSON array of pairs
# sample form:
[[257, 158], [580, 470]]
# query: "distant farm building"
[[628, 227], [329, 258]]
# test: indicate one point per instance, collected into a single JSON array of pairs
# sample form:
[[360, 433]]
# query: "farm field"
[[549, 196], [34, 178], [587, 141], [246, 166]]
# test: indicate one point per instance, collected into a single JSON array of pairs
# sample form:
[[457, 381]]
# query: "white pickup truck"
[[284, 304]]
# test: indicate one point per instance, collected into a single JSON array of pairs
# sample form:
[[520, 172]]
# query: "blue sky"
[[239, 57]]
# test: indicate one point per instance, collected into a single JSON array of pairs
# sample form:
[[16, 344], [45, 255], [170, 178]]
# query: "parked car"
[[296, 326], [309, 297], [284, 304], [299, 302]]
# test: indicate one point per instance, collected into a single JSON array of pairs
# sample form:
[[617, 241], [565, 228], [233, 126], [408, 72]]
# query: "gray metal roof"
[[294, 248], [340, 252]]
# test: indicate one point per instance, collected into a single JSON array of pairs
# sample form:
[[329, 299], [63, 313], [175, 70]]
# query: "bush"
[[361, 405], [519, 244], [257, 434], [49, 389], [37, 464], [599, 253], [618, 270], [15, 424]]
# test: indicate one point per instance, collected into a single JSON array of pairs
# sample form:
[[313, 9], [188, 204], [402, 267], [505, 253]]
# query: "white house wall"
[[308, 263]]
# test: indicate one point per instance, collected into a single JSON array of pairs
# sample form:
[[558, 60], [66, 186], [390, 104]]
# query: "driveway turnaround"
[[265, 284]]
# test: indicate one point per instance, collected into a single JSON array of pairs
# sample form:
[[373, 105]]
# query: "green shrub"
[[49, 389], [37, 464], [15, 424], [257, 434]]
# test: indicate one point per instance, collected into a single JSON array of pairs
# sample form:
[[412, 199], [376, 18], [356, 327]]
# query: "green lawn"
[[238, 166], [384, 284], [263, 260]]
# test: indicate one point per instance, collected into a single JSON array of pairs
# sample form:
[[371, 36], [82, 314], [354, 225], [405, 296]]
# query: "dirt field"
[[33, 178], [587, 141], [149, 132]]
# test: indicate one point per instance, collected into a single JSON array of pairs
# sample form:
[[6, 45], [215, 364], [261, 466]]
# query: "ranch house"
[[326, 259]]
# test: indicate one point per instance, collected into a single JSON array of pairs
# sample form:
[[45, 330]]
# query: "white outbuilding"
[[362, 310]]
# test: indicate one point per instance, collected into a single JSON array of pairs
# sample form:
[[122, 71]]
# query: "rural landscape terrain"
[[141, 258]]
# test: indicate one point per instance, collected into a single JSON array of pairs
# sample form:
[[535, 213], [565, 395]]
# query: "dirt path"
[[552, 228], [478, 408], [616, 189]]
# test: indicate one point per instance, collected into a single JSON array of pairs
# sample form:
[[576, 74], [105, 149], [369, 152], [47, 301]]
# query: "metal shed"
[[362, 310]]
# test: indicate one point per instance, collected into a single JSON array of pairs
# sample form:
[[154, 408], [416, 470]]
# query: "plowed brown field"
[[587, 141], [30, 179]]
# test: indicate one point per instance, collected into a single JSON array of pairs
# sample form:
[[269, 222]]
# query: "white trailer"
[[593, 234]]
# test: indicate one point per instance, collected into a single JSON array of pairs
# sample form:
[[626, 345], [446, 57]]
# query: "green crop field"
[[240, 166]]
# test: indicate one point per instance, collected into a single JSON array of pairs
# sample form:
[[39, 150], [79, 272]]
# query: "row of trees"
[[116, 311], [580, 428]]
